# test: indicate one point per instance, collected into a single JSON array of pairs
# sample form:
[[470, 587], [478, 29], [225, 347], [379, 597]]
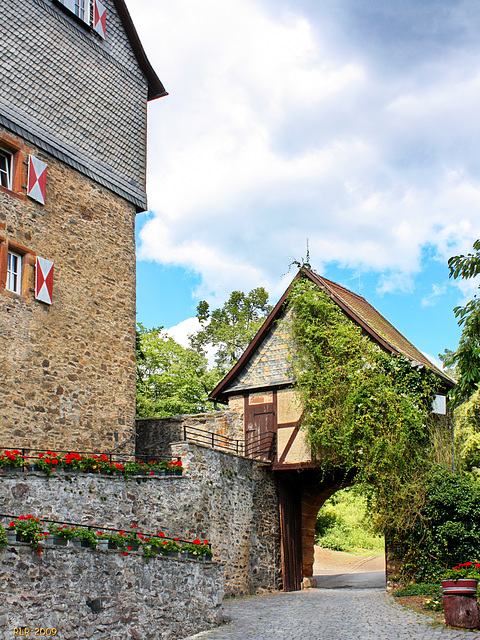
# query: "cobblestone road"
[[327, 614]]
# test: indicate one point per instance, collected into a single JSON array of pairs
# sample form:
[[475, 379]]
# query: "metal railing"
[[95, 527], [259, 448], [33, 454]]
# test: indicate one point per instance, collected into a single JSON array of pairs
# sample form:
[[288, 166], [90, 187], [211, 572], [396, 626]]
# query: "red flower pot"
[[460, 587]]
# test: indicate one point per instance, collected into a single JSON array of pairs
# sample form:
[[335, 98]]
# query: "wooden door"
[[260, 424], [289, 497]]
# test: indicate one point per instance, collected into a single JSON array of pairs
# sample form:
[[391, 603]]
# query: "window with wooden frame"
[[14, 272], [15, 276], [13, 172], [6, 167]]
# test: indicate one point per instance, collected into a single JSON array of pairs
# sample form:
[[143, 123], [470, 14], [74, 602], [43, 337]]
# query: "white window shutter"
[[99, 18], [43, 280], [69, 4], [37, 179]]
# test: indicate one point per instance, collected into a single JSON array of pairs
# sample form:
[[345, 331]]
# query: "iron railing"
[[95, 527], [112, 457], [259, 447]]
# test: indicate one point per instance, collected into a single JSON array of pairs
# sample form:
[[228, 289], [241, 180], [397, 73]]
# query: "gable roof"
[[356, 308], [155, 86]]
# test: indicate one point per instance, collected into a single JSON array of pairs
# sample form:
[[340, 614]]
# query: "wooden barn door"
[[289, 495], [260, 423]]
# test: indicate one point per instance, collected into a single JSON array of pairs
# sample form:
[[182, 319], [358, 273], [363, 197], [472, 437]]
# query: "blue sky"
[[354, 125]]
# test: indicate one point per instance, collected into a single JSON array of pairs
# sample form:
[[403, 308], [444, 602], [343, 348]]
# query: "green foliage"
[[466, 358], [467, 434], [447, 534], [231, 328], [364, 410], [343, 525], [170, 379], [418, 589]]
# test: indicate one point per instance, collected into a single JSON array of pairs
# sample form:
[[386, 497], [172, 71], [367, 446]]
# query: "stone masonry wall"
[[229, 500], [128, 598], [154, 435], [67, 370]]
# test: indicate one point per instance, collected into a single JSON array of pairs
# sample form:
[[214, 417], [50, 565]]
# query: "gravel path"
[[327, 614]]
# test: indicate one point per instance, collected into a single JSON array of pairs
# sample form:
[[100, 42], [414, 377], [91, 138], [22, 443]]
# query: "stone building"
[[74, 87], [259, 388]]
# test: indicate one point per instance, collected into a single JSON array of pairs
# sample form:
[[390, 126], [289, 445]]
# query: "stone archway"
[[301, 494]]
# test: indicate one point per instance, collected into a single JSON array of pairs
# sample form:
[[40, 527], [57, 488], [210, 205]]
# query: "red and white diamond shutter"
[[99, 18], [37, 179], [43, 280]]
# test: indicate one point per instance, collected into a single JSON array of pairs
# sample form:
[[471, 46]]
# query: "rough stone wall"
[[154, 435], [165, 598], [229, 500], [67, 370]]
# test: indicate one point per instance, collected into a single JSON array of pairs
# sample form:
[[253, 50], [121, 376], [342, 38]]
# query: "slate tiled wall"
[[270, 364], [86, 94]]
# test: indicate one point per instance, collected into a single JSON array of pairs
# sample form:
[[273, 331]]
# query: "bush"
[[447, 533]]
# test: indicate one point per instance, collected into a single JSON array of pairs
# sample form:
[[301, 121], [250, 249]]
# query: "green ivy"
[[364, 410]]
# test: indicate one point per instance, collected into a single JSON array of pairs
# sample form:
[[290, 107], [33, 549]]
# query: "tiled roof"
[[357, 308], [362, 310]]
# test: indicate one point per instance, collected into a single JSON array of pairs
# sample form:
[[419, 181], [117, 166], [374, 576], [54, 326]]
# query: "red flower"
[[104, 457], [161, 534], [129, 548], [133, 526], [40, 455], [125, 553], [197, 542], [205, 542]]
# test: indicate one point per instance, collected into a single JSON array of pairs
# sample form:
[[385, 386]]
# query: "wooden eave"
[[155, 86], [219, 392]]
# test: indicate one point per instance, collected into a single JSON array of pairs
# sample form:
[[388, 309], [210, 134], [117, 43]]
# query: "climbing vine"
[[364, 410]]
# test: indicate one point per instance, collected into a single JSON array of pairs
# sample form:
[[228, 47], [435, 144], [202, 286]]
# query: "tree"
[[170, 379], [231, 328], [466, 359]]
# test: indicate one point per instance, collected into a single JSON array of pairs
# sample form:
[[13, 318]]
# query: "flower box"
[[77, 542], [103, 545], [59, 541], [12, 537]]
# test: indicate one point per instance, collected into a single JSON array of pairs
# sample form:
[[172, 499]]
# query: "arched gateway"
[[261, 387]]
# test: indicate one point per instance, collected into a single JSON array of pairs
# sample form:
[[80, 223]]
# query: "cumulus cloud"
[[287, 122]]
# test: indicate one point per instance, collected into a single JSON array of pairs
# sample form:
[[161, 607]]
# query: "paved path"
[[360, 580], [327, 614]]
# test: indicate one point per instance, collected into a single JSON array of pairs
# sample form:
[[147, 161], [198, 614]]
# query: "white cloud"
[[437, 292], [181, 332], [273, 134]]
